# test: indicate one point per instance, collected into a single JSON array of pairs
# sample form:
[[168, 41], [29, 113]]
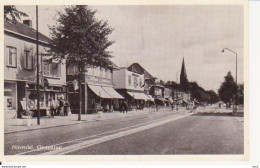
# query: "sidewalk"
[[19, 125]]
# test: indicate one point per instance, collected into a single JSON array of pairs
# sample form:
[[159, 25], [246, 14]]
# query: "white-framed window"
[[28, 59], [51, 68], [11, 56], [129, 79]]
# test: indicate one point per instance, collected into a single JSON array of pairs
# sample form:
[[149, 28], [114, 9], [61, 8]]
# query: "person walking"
[[61, 107], [125, 106], [66, 108], [52, 108]]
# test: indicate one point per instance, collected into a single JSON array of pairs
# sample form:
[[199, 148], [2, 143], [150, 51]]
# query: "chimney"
[[28, 22]]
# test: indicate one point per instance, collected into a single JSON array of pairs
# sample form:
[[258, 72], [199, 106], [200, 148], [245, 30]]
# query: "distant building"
[[20, 69]]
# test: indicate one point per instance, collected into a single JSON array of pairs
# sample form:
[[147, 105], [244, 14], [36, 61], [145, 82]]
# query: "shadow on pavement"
[[228, 114]]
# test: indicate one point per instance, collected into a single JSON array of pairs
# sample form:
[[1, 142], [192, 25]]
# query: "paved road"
[[158, 133]]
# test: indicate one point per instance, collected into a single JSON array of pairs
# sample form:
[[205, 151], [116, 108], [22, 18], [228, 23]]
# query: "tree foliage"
[[228, 88], [196, 91], [80, 37], [12, 14]]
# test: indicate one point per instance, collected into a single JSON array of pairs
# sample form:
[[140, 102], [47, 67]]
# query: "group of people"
[[59, 108], [123, 107]]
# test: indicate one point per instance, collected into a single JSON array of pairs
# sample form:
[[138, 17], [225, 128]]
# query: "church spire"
[[183, 77]]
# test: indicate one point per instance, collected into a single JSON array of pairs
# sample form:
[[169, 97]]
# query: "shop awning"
[[100, 92], [112, 92], [138, 96]]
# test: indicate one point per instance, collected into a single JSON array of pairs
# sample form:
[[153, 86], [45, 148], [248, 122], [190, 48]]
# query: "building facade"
[[97, 88], [20, 70], [131, 86], [153, 88]]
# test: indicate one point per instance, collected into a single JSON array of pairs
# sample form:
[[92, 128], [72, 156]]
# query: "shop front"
[[137, 100], [10, 99], [49, 96], [95, 98]]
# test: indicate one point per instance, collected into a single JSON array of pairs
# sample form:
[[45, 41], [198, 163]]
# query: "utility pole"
[[37, 55]]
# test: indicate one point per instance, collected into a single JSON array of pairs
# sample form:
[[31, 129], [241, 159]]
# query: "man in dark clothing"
[[125, 106]]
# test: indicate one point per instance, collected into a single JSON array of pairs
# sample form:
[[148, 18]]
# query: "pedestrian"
[[66, 108], [61, 107], [52, 108], [107, 108], [125, 106], [172, 106]]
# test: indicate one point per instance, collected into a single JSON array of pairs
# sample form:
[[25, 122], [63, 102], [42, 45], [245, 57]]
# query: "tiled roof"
[[24, 30]]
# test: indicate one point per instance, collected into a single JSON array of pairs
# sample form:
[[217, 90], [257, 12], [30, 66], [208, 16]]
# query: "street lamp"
[[236, 76]]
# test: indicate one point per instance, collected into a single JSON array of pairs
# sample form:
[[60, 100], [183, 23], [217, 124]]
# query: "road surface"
[[175, 132]]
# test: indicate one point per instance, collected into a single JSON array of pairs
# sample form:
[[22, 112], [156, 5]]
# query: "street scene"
[[123, 80]]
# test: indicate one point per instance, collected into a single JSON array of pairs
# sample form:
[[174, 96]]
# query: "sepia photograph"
[[124, 80]]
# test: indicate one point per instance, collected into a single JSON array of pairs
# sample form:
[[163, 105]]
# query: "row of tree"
[[227, 92], [196, 91]]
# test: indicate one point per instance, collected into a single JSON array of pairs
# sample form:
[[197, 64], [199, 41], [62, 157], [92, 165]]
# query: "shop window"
[[28, 60], [12, 57]]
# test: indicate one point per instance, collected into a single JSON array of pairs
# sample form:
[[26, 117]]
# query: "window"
[[46, 68], [129, 79], [72, 69], [28, 60], [135, 82], [51, 68], [12, 57], [141, 83]]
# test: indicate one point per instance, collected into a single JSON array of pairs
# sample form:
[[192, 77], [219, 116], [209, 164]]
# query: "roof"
[[25, 30], [137, 67], [114, 66]]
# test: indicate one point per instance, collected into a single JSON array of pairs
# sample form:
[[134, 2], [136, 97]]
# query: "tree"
[[228, 88], [82, 39], [162, 82], [12, 14]]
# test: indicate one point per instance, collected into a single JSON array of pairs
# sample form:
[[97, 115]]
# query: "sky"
[[159, 37]]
